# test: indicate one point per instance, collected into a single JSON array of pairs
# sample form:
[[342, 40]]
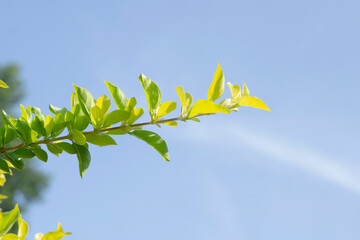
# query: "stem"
[[45, 141]]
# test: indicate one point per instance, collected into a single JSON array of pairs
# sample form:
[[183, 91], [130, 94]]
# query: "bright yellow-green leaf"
[[23, 229], [49, 124], [152, 92], [81, 122], [56, 235], [2, 196], [115, 116], [8, 219], [216, 88], [103, 103], [203, 106], [78, 137], [96, 116], [135, 115], [252, 102], [3, 84], [131, 104], [166, 108], [226, 103], [119, 97], [235, 92], [100, 139], [171, 124], [245, 91], [2, 179], [10, 236], [85, 100], [185, 100]]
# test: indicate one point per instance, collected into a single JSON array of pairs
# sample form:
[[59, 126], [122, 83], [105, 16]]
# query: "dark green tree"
[[26, 186]]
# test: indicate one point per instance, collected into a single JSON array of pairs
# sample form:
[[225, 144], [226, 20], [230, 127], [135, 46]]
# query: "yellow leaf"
[[202, 107], [216, 88], [235, 92], [185, 99], [245, 91], [23, 229], [250, 101], [166, 108], [171, 124], [3, 84]]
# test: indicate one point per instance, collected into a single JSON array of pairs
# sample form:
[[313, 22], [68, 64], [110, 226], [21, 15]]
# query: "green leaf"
[[78, 137], [67, 147], [4, 166], [23, 153], [81, 123], [25, 114], [10, 236], [56, 235], [166, 108], [39, 153], [216, 88], [49, 124], [3, 84], [115, 116], [56, 110], [100, 140], [54, 149], [85, 100], [8, 219], [250, 101], [135, 115], [152, 92], [153, 140], [103, 103], [131, 104], [8, 135], [202, 107], [235, 92], [84, 158], [117, 132], [37, 112], [37, 125], [96, 116], [118, 96], [15, 161]]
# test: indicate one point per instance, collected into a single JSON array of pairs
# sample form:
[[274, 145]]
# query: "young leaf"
[[81, 123], [25, 114], [37, 124], [245, 91], [171, 124], [100, 140], [206, 107], [56, 235], [115, 116], [8, 135], [117, 132], [166, 108], [131, 104], [235, 92], [78, 137], [135, 115], [216, 88], [226, 103], [250, 101], [3, 84], [8, 219], [85, 100], [56, 110], [153, 140], [152, 92], [23, 229], [118, 96], [185, 99], [49, 124], [84, 158]]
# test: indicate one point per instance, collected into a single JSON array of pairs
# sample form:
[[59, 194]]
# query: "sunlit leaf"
[[166, 108], [100, 139], [56, 110], [3, 84], [8, 219], [252, 102], [245, 92], [171, 123], [185, 99], [22, 229], [85, 100], [135, 115], [78, 137], [115, 116], [152, 92], [202, 107], [153, 140], [235, 92], [216, 88], [56, 235], [118, 96], [54, 149]]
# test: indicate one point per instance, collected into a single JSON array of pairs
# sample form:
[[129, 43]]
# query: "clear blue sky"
[[290, 174]]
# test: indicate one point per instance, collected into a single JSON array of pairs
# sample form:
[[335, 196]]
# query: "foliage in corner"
[[90, 120]]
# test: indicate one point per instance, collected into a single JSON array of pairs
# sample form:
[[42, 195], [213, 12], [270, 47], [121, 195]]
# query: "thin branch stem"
[[69, 136]]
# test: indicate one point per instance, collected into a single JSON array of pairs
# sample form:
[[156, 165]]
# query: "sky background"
[[293, 173]]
